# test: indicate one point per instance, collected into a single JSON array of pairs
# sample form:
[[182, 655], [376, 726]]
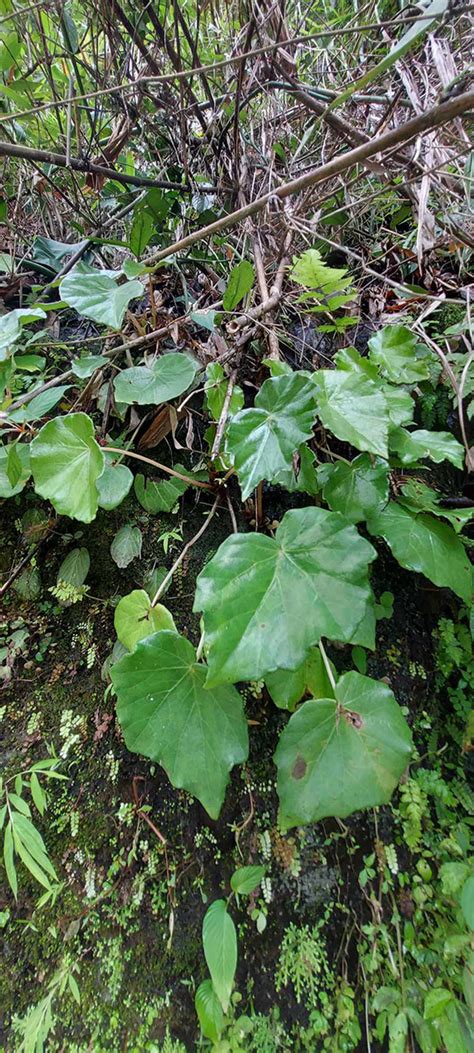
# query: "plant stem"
[[327, 665], [162, 467], [179, 560]]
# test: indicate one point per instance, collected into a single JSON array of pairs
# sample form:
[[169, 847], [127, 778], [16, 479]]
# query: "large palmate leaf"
[[219, 940], [287, 686], [438, 446], [400, 404], [357, 490], [66, 462], [166, 379], [168, 714], [12, 481], [424, 544], [135, 618], [354, 409], [266, 600], [336, 756], [99, 297], [262, 440], [399, 355]]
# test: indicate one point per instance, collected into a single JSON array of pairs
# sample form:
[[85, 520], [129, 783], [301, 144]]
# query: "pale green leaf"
[[209, 1011], [436, 1002], [287, 686], [399, 355], [86, 366], [310, 271], [168, 714], [98, 296], [75, 567], [66, 462], [262, 440], [423, 544], [219, 940], [354, 409], [135, 618], [438, 446], [113, 485], [246, 879], [39, 406], [336, 756], [240, 282], [254, 590], [126, 545], [37, 793], [22, 451], [11, 325], [169, 377], [356, 490]]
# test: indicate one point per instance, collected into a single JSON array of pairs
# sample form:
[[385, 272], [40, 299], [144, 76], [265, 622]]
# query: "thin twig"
[[164, 584], [162, 467]]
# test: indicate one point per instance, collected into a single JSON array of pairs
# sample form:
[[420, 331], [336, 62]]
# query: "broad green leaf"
[[135, 618], [75, 567], [22, 451], [240, 282], [11, 325], [287, 686], [126, 545], [246, 879], [277, 367], [168, 714], [302, 476], [30, 363], [438, 446], [418, 497], [399, 355], [254, 590], [54, 253], [86, 366], [354, 409], [66, 462], [98, 296], [422, 543], [336, 756], [357, 490], [113, 485], [171, 374], [219, 940], [141, 231], [436, 1002], [160, 496], [349, 360], [216, 387], [467, 902], [209, 1011], [400, 404], [28, 585], [39, 406], [262, 440]]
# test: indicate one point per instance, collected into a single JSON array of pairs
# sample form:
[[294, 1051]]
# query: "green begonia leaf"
[[22, 452], [99, 297], [162, 495], [246, 879], [168, 714], [336, 756], [11, 325], [302, 477], [75, 567], [401, 359], [349, 360], [438, 446], [422, 543], [287, 686], [135, 618], [219, 940], [86, 366], [66, 462], [166, 379], [216, 388], [254, 590], [354, 409], [262, 440], [356, 490], [114, 485], [126, 545]]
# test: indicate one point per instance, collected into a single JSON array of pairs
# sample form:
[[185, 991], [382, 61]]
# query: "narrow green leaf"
[[8, 856], [37, 793], [220, 949], [240, 282], [22, 455]]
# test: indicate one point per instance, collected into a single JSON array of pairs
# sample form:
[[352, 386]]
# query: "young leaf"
[[209, 1011], [399, 355], [246, 879], [216, 387], [166, 713], [240, 282], [302, 476], [422, 543], [219, 940], [438, 446], [135, 618], [66, 462], [336, 756], [287, 686], [113, 485], [126, 545], [159, 496], [22, 451], [262, 440], [354, 409], [75, 567], [254, 589], [170, 376], [99, 297], [356, 490]]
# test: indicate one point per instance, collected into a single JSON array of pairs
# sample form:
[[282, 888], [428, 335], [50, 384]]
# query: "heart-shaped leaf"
[[114, 485], [438, 446], [246, 879], [254, 589], [99, 297], [219, 940], [399, 355], [216, 388], [66, 462], [424, 544], [287, 686], [262, 440], [168, 714], [135, 618], [126, 545], [354, 409], [39, 406], [356, 490], [336, 756], [169, 377]]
